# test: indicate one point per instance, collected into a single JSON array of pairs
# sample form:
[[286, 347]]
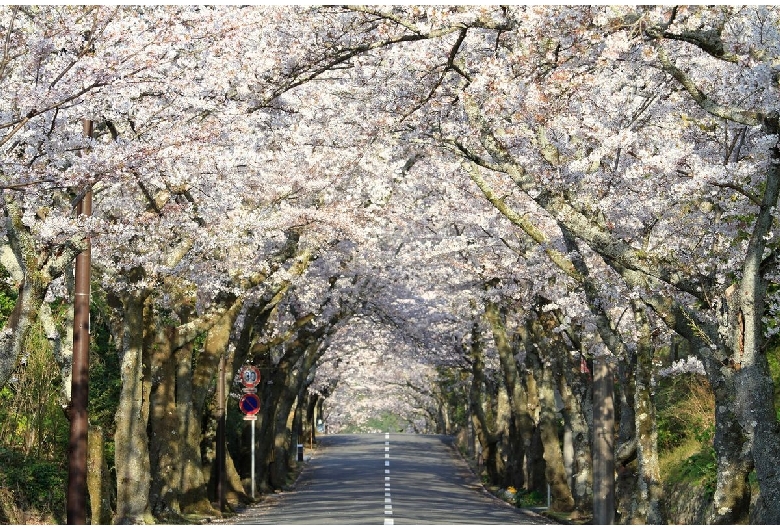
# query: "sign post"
[[253, 457], [250, 406]]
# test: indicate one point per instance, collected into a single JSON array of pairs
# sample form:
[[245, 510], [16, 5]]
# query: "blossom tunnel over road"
[[461, 220]]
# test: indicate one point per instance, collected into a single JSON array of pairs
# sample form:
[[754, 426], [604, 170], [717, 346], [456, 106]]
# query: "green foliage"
[[386, 422], [34, 430], [32, 417], [105, 381], [773, 358], [525, 498], [454, 388], [38, 485], [685, 408], [699, 468], [686, 425], [7, 296]]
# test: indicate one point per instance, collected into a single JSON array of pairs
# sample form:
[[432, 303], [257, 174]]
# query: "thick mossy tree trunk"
[[731, 499], [577, 408], [281, 426], [625, 452], [649, 488], [535, 466], [269, 475], [131, 440], [290, 396], [575, 391], [221, 474], [502, 426], [190, 407], [739, 355], [98, 486], [310, 419], [488, 440], [754, 396], [522, 425], [165, 437], [555, 471]]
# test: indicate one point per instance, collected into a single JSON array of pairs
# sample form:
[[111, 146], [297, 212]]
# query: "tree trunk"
[[625, 453], [282, 432], [132, 442], [555, 472], [98, 478], [503, 421], [193, 485], [534, 455], [577, 403], [488, 441], [731, 500], [164, 434], [754, 401], [199, 391], [283, 424], [215, 349], [522, 424], [266, 425], [603, 443], [649, 487]]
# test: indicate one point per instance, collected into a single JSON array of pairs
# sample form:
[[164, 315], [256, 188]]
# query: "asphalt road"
[[385, 479]]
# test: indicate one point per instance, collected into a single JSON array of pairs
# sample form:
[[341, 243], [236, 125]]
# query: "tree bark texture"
[[603, 443], [649, 488], [522, 426], [577, 408], [488, 440], [100, 490], [132, 442], [555, 472], [754, 399], [165, 438]]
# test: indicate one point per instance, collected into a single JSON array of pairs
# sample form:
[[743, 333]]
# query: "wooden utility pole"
[[77, 447]]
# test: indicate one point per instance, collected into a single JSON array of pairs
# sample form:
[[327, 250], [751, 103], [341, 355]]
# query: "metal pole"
[[549, 496], [77, 446], [253, 458]]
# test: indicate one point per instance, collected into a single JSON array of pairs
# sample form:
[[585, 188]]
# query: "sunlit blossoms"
[[374, 200]]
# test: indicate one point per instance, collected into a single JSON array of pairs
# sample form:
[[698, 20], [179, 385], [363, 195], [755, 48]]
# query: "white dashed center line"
[[388, 502]]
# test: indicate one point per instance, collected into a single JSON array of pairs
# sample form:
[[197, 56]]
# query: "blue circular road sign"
[[249, 404]]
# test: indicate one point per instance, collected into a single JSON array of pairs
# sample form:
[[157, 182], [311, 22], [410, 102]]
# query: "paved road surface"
[[385, 479]]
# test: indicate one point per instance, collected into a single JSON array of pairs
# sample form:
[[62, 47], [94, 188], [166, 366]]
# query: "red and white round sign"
[[250, 376]]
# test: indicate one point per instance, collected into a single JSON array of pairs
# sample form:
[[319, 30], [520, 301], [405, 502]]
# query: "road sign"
[[250, 376], [249, 403]]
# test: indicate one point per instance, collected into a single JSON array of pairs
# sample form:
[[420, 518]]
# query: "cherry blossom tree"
[[360, 198]]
